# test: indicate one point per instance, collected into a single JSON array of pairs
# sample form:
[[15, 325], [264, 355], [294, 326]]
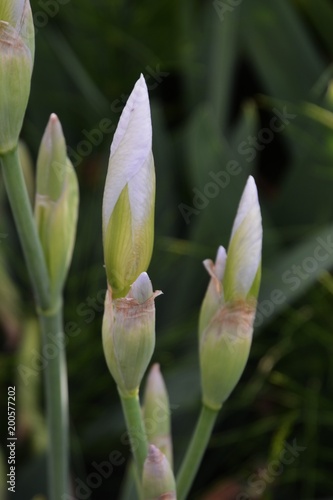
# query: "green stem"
[[136, 429], [26, 227], [195, 451], [56, 392], [50, 315]]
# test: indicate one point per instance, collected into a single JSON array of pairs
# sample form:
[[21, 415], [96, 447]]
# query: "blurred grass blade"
[[294, 273], [320, 13], [278, 45], [76, 70], [221, 55]]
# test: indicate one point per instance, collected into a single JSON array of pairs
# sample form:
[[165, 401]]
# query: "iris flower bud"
[[156, 412], [56, 204], [129, 195], [128, 334], [228, 309], [158, 482], [16, 63]]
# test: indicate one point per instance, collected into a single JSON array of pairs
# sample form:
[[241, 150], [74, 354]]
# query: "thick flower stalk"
[[17, 49], [129, 196], [228, 310], [56, 204]]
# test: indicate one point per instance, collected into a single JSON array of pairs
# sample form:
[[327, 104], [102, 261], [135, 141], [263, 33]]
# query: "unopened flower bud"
[[158, 482], [156, 412], [56, 205], [128, 334], [129, 195], [16, 64], [228, 309]]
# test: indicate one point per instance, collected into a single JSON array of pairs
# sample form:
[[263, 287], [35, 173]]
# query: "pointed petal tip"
[[221, 254], [245, 247], [55, 127], [155, 368], [251, 185], [154, 454]]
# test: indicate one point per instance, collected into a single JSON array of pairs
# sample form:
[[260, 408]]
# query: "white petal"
[[141, 191], [248, 200], [244, 252], [220, 262], [142, 289], [130, 148]]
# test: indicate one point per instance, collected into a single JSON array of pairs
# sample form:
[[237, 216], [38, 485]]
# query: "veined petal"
[[244, 252], [130, 148]]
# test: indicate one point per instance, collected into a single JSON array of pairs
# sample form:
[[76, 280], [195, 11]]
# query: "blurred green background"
[[236, 86]]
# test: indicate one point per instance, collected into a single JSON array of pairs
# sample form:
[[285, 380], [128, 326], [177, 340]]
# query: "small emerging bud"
[[158, 482], [128, 334], [228, 309], [129, 195], [16, 64], [156, 412], [56, 205]]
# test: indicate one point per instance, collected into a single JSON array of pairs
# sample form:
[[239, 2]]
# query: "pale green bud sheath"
[[128, 334], [129, 195], [156, 412], [158, 482], [226, 324], [56, 204], [16, 64]]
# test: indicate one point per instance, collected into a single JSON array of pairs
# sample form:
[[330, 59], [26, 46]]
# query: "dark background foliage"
[[218, 74]]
